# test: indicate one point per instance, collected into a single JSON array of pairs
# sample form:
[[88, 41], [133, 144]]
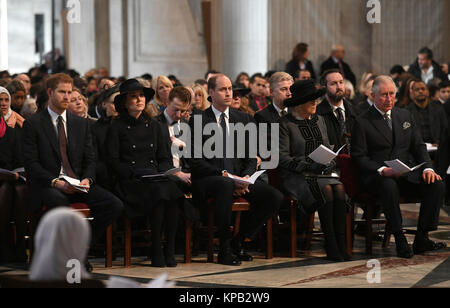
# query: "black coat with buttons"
[[139, 147]]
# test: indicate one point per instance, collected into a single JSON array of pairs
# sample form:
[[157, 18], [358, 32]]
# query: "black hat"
[[128, 86], [238, 90], [303, 91], [105, 94]]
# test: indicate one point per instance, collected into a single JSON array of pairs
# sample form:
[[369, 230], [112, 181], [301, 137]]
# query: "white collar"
[[336, 107], [383, 113], [55, 116], [429, 71], [278, 109], [9, 114], [218, 113], [335, 59], [170, 122], [369, 101], [442, 102]]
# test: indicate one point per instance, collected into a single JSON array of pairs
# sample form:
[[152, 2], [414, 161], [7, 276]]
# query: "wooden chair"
[[239, 205], [350, 179], [84, 210]]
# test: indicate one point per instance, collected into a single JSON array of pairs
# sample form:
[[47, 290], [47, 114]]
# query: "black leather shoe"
[[238, 251], [171, 262], [227, 258], [422, 245], [403, 249], [88, 267]]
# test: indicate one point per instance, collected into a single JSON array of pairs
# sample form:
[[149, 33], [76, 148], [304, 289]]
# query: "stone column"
[[116, 38], [3, 35], [81, 53], [244, 36]]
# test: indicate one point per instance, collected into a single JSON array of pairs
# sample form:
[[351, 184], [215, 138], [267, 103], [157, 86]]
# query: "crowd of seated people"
[[120, 138]]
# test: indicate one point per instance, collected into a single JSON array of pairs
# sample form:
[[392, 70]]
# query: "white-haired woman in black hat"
[[139, 146], [302, 132]]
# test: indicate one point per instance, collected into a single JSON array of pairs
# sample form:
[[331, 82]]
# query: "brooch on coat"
[[406, 125]]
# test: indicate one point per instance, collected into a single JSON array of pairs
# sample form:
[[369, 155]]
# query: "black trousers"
[[265, 201], [104, 206], [389, 191]]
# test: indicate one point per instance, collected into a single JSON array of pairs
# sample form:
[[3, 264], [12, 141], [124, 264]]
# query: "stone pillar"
[[103, 33], [116, 38], [82, 44], [245, 36], [3, 35]]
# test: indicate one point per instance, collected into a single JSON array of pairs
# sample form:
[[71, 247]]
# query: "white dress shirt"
[[54, 117], [428, 75], [335, 108], [389, 113], [218, 114], [279, 110]]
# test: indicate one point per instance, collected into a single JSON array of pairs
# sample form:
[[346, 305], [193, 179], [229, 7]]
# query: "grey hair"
[[382, 80], [279, 77]]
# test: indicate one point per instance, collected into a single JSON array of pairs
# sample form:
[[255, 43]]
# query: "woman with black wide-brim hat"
[[302, 131], [139, 146]]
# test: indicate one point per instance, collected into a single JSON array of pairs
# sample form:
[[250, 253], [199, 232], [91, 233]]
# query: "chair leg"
[[108, 247], [127, 258], [237, 224], [387, 237], [309, 232], [293, 212], [269, 251], [348, 233], [188, 249], [369, 233], [210, 234]]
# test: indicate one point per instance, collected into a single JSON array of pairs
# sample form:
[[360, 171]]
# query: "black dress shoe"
[[227, 258], [238, 251], [422, 245], [403, 249], [171, 262], [88, 267]]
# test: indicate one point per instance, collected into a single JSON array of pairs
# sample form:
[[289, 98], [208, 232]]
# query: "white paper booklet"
[[400, 167], [75, 184], [448, 170], [250, 181], [431, 148], [160, 175], [13, 172], [324, 155]]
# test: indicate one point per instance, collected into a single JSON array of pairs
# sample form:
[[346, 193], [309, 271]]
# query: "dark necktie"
[[227, 162], [63, 149], [341, 121], [388, 121]]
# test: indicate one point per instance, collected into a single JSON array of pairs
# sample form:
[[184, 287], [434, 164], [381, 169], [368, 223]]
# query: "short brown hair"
[[183, 94], [299, 51], [212, 82], [54, 80]]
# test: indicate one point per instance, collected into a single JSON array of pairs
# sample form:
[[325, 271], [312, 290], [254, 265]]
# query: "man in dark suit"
[[386, 133], [336, 110], [210, 171], [336, 61], [56, 143], [430, 116]]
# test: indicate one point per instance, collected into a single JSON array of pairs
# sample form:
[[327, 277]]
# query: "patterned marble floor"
[[309, 270]]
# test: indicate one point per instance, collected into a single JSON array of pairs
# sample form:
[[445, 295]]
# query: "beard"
[[336, 97]]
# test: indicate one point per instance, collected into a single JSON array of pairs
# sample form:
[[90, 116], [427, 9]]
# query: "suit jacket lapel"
[[49, 130], [71, 135], [380, 124]]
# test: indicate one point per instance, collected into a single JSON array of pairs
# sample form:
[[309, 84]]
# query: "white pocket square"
[[406, 125]]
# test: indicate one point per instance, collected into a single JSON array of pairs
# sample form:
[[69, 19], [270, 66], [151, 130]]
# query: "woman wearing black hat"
[[302, 132], [139, 146]]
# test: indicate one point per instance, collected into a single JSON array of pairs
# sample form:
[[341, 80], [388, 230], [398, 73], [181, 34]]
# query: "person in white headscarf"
[[12, 118], [62, 235]]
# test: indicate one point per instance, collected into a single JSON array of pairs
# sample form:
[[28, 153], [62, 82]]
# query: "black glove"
[[316, 168]]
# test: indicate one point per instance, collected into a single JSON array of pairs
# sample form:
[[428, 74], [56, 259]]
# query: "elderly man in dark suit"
[[386, 133], [336, 61], [337, 112], [56, 143], [210, 172]]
